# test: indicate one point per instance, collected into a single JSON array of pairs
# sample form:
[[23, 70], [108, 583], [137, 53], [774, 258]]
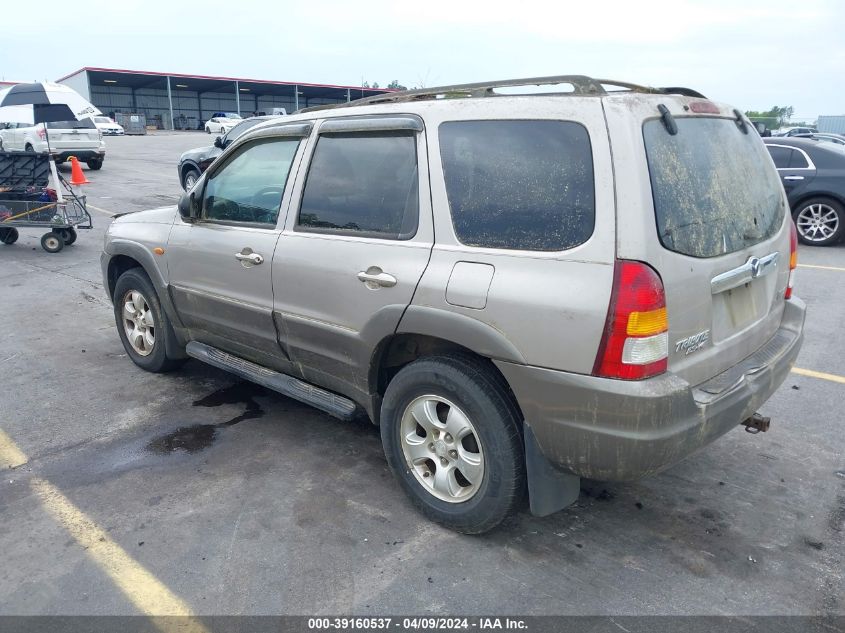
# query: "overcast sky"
[[748, 53]]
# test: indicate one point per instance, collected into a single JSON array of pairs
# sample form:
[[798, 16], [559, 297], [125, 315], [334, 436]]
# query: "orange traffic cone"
[[76, 175]]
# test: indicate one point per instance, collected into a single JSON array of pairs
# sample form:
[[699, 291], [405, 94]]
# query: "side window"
[[362, 184], [249, 186], [798, 161], [524, 185], [780, 155]]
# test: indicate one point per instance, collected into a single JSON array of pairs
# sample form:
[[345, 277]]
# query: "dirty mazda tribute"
[[519, 289]]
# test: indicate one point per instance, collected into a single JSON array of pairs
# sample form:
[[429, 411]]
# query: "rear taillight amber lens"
[[635, 344], [793, 258]]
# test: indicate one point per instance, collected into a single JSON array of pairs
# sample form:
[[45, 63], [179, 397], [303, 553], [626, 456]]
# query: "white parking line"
[[837, 268], [108, 213]]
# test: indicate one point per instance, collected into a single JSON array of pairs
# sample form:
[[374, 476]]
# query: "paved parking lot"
[[194, 492]]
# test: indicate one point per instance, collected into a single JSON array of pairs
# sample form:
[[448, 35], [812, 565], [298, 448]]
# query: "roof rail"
[[581, 86]]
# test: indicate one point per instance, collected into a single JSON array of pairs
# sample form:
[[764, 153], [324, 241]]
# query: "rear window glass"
[[780, 155], [714, 189], [799, 161], [524, 185], [71, 125]]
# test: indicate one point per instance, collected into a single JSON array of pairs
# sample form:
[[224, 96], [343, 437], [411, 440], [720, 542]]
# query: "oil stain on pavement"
[[198, 437]]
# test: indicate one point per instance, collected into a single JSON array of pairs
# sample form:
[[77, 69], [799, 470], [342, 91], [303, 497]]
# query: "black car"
[[813, 174], [195, 161]]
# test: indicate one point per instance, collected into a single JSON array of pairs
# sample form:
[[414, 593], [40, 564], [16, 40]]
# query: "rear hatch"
[[73, 135], [705, 208]]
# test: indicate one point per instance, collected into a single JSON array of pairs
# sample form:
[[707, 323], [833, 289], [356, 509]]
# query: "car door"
[[356, 243], [11, 138], [794, 166], [220, 265]]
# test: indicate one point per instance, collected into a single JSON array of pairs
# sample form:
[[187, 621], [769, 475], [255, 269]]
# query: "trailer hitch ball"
[[756, 423]]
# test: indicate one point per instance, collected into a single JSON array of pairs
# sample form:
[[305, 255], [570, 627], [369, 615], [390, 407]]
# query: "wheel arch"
[[809, 195], [185, 167], [402, 348]]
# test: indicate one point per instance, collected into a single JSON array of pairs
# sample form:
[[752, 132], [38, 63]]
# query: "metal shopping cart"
[[26, 201]]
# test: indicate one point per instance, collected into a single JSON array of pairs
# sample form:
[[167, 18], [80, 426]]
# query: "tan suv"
[[520, 290]]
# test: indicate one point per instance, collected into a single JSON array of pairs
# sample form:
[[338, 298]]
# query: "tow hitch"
[[756, 423]]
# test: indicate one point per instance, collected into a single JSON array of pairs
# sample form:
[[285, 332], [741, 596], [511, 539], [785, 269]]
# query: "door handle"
[[374, 277], [793, 177], [249, 257]]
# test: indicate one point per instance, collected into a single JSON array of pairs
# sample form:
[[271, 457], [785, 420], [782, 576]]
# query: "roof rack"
[[581, 84]]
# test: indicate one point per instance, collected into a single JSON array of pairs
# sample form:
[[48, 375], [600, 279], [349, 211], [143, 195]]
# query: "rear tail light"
[[635, 344], [42, 133], [793, 258]]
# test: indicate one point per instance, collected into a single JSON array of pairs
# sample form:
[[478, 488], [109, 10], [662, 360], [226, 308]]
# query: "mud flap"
[[549, 490]]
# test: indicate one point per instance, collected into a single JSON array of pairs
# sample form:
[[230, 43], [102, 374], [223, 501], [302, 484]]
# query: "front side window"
[[362, 184], [714, 191], [249, 186], [524, 185]]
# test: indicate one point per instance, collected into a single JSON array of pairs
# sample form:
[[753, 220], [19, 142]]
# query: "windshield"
[[231, 115], [714, 188], [240, 128], [102, 119]]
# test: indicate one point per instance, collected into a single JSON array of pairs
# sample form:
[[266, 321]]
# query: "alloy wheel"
[[817, 222], [442, 448], [138, 323]]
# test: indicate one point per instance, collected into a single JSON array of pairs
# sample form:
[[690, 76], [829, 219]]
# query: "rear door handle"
[[374, 277], [793, 177]]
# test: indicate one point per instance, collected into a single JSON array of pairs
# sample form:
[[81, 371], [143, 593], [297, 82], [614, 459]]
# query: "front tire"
[[191, 177], [141, 323], [819, 221], [451, 435]]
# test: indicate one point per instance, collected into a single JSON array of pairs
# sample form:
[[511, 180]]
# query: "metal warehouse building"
[[178, 101], [834, 124]]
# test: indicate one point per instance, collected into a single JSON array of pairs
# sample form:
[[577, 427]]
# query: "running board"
[[327, 401]]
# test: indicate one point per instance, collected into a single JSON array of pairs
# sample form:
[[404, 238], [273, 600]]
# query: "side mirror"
[[187, 206], [218, 142]]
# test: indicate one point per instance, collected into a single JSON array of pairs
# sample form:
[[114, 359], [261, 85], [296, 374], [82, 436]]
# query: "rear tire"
[[95, 163], [9, 235], [28, 148], [52, 242], [470, 429], [819, 221], [139, 316]]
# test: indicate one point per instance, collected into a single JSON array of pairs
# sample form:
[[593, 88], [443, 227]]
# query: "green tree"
[[774, 118], [395, 84]]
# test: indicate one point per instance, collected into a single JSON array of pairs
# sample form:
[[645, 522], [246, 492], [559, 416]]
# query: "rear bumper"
[[623, 430], [82, 155]]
